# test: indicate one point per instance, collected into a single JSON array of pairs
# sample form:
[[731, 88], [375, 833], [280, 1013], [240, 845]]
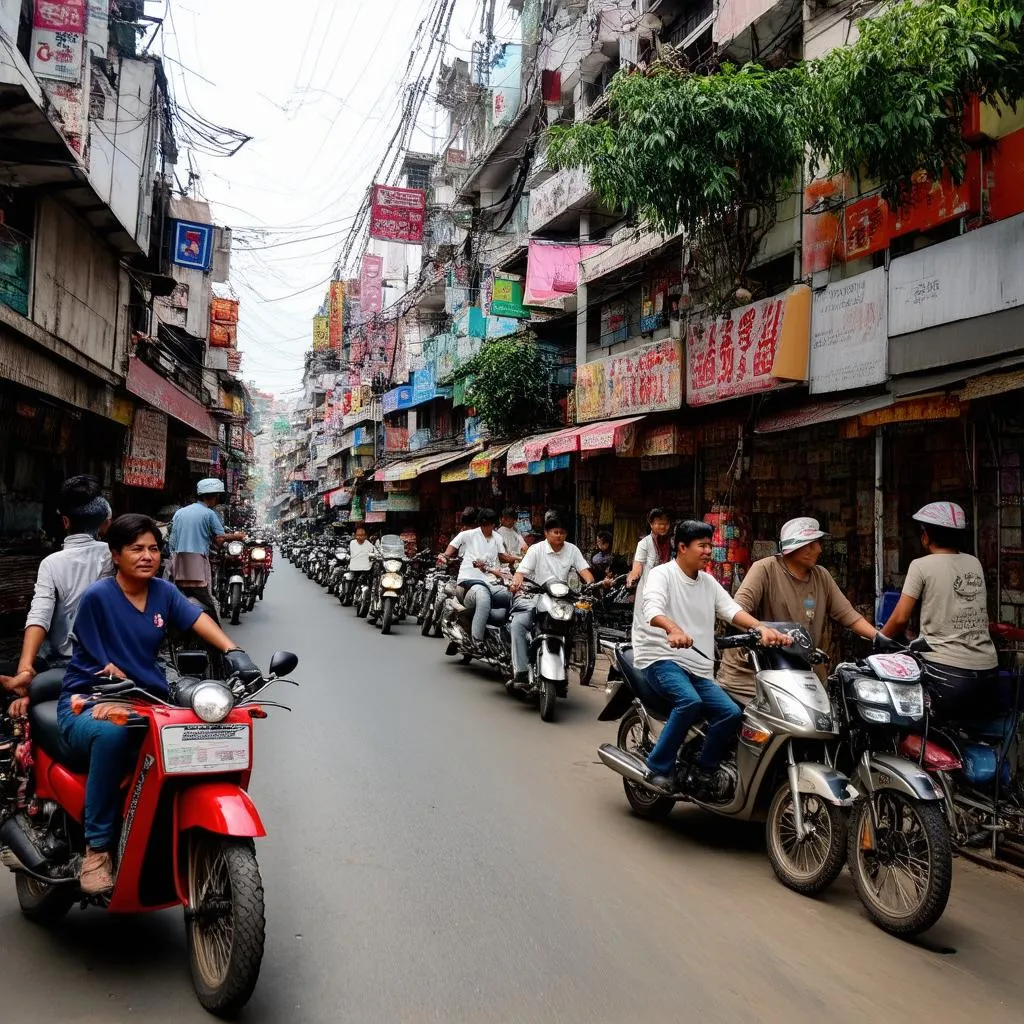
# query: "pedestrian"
[[653, 550], [514, 542]]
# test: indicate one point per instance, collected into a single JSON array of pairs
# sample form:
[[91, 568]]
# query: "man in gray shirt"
[[62, 579]]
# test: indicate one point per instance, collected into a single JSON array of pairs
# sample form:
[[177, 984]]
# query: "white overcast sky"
[[315, 83]]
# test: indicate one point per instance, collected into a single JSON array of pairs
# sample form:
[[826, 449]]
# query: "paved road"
[[437, 853]]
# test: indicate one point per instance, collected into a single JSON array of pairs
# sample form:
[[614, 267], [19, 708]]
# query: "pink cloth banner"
[[553, 271], [371, 281]]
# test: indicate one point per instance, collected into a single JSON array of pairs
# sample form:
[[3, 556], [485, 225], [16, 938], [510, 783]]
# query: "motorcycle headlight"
[[392, 565], [234, 548], [561, 611], [873, 691], [391, 581], [339, 554], [908, 698], [212, 701], [558, 589], [793, 711], [258, 554]]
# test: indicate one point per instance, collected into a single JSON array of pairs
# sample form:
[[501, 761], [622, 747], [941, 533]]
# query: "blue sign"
[[548, 465], [424, 385], [192, 245], [473, 428], [397, 398], [361, 436]]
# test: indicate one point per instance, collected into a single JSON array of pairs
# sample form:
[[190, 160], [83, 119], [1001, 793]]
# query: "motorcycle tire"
[[435, 629], [811, 865], [225, 967], [236, 602], [41, 903], [387, 615], [548, 700], [644, 802], [364, 608], [427, 620], [937, 853]]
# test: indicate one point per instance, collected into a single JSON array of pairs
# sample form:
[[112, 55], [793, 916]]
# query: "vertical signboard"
[[58, 39], [335, 314], [371, 284], [146, 462], [321, 333]]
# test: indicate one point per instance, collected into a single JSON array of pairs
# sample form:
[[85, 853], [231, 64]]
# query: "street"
[[437, 853]]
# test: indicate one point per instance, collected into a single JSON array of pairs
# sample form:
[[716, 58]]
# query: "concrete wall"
[[77, 285]]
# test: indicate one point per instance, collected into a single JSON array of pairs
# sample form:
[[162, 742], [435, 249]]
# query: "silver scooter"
[[782, 769]]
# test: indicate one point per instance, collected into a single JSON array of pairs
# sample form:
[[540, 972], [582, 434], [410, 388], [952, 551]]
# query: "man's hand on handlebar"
[[772, 637], [111, 671], [679, 638]]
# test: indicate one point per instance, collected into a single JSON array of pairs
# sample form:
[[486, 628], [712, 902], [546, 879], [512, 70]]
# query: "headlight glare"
[[871, 690], [212, 701], [562, 611], [258, 554], [392, 565], [792, 710], [234, 547], [391, 581], [558, 589]]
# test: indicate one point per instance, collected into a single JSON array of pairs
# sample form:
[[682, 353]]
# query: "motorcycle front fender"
[[552, 659], [830, 785], [236, 579], [887, 771]]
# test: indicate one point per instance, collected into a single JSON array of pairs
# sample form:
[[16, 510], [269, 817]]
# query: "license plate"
[[196, 749]]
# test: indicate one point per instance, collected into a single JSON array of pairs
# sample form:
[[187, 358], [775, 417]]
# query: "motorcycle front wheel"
[[427, 618], [387, 615], [236, 602], [224, 922], [903, 871], [809, 865], [364, 607], [548, 700]]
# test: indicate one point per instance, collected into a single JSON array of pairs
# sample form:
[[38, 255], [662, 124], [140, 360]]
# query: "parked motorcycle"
[[443, 588], [231, 580], [420, 568], [188, 830], [900, 854], [338, 568], [388, 578], [456, 627], [782, 761]]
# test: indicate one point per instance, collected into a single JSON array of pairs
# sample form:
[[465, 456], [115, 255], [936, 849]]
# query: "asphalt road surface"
[[435, 852]]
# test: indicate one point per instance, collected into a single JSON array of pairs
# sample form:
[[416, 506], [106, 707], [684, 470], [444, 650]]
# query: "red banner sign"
[[146, 461], [397, 215], [162, 394]]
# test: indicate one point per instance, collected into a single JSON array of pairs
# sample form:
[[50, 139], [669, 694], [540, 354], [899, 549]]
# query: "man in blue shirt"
[[194, 530]]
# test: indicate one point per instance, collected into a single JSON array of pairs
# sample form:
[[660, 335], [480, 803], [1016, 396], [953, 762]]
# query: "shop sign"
[[223, 335], [236, 437], [397, 214], [548, 465], [665, 439], [456, 474], [146, 462], [473, 429], [122, 410], [507, 299], [621, 436], [500, 326], [849, 334], [480, 467], [614, 323], [14, 264], [335, 313], [192, 245], [750, 350], [469, 323], [198, 449], [321, 333], [403, 503], [375, 517], [398, 486], [516, 463], [916, 410], [505, 81], [361, 437], [58, 39], [222, 311], [396, 439], [974, 274], [645, 379], [371, 285], [160, 393]]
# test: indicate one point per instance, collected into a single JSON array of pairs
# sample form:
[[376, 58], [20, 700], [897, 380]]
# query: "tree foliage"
[[683, 150], [509, 387]]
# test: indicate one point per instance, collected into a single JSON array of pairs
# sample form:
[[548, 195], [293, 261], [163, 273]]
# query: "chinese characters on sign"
[[396, 214], [58, 38], [645, 379], [146, 461], [321, 333], [750, 349]]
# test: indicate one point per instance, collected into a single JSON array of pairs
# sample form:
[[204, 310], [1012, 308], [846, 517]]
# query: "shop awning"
[[617, 434], [162, 394], [475, 467], [409, 469], [558, 442], [821, 412]]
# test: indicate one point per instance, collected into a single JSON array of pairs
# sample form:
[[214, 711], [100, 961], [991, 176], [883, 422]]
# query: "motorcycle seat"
[[656, 704], [42, 719]]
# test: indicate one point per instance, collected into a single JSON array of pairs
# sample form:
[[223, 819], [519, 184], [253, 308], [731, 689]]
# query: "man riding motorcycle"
[[791, 587], [674, 644], [949, 584], [194, 530], [552, 558], [60, 582], [121, 625], [481, 549]]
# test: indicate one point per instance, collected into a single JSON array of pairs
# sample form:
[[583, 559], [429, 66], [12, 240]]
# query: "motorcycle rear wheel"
[[810, 865], [236, 602], [225, 927], [387, 615], [910, 833], [41, 903], [427, 620], [645, 802]]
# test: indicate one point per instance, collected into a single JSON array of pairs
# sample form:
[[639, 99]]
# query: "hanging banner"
[[552, 271], [665, 439], [397, 214], [751, 350], [371, 285], [645, 379], [321, 333], [146, 462], [335, 313], [58, 39], [506, 84], [849, 335], [223, 311], [198, 449], [507, 299]]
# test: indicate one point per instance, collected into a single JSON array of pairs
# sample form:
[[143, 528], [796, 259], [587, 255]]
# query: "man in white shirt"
[[481, 550], [359, 551], [552, 558], [674, 644], [515, 544]]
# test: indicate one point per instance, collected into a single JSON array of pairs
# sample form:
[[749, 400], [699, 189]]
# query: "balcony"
[[740, 24], [555, 204]]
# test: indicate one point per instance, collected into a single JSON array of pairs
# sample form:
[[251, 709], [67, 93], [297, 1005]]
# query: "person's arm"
[[840, 610], [913, 588], [579, 563], [526, 567], [751, 596], [637, 568], [37, 625], [207, 630]]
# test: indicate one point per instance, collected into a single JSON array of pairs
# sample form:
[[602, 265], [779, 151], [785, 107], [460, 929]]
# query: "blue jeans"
[[484, 599], [111, 750], [523, 611], [688, 694]]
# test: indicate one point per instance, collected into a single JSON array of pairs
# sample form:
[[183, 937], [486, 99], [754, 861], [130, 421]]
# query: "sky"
[[315, 83]]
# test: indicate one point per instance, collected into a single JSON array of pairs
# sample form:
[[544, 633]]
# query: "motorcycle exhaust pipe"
[[14, 834], [628, 765]]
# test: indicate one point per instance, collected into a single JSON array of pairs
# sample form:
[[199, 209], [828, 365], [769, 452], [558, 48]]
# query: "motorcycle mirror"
[[283, 663]]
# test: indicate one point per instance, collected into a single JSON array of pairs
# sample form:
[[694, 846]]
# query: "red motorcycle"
[[188, 827]]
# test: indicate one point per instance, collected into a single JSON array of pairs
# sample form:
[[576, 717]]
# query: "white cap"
[[211, 485], [798, 533], [942, 513]]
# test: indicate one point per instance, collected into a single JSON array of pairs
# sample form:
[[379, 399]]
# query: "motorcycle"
[[782, 761], [586, 641], [188, 829], [416, 591], [456, 627], [899, 856], [442, 589], [388, 579], [338, 568], [231, 580], [260, 556]]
